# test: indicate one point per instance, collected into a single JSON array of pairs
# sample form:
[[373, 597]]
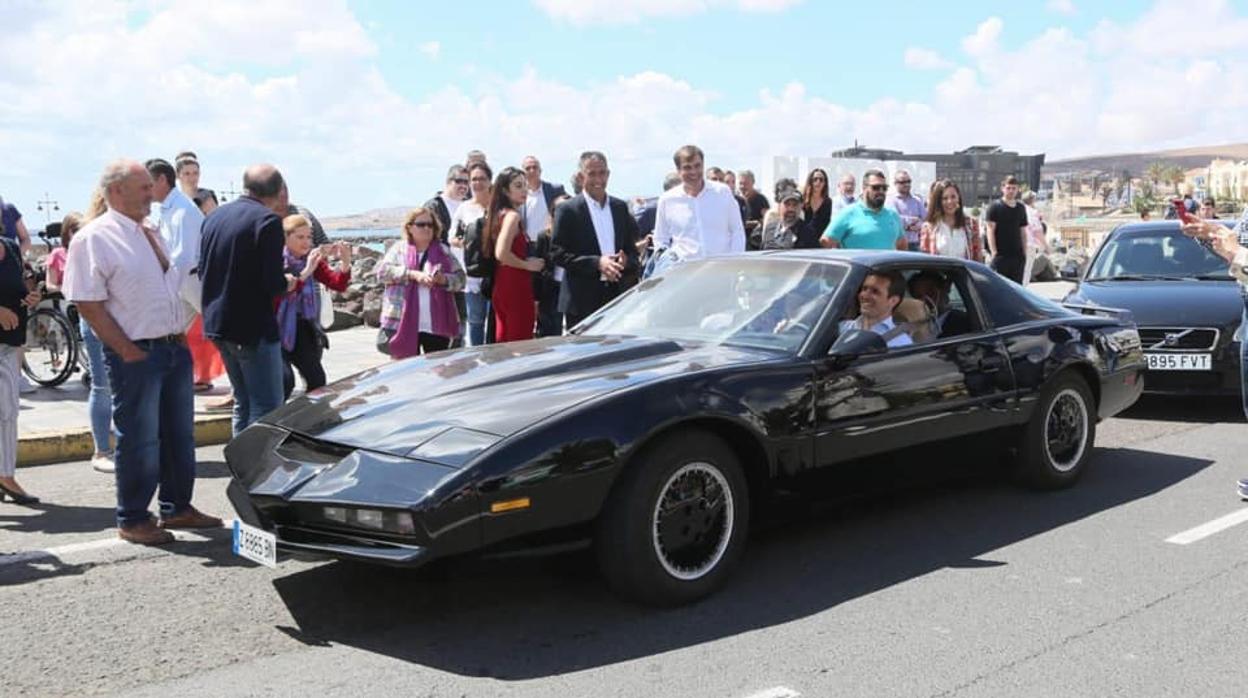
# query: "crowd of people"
[[175, 288]]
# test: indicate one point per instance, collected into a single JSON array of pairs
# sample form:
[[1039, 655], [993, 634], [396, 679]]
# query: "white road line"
[[776, 692], [63, 551], [1205, 530]]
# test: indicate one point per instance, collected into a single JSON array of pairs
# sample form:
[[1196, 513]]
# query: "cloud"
[[432, 49], [984, 41], [924, 59], [348, 140], [585, 12], [1061, 7]]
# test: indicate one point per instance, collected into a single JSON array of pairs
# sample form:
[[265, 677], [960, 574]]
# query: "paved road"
[[967, 587]]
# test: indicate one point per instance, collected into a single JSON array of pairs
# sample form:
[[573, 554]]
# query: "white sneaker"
[[103, 464], [25, 387]]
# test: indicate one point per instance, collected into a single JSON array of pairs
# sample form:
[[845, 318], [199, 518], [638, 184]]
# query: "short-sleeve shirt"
[[857, 227], [112, 260], [1010, 221], [56, 260]]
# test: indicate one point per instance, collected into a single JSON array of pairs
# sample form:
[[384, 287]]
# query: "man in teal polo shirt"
[[867, 225]]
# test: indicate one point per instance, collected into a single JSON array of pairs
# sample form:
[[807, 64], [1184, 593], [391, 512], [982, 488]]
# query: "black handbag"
[[383, 340]]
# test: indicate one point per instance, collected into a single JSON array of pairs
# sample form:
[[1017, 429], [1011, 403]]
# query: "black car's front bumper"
[[282, 482], [1222, 379]]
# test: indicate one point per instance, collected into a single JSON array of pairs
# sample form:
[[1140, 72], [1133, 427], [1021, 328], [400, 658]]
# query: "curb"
[[77, 444]]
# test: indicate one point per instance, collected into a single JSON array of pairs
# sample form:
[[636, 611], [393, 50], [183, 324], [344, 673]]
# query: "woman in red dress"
[[515, 311]]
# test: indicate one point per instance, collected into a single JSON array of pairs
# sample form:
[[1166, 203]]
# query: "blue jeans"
[[154, 412], [255, 372], [478, 310], [100, 399]]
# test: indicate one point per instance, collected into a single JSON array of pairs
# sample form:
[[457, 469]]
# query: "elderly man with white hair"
[[120, 276]]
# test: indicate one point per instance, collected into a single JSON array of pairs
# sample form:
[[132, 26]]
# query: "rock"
[[343, 320], [371, 313], [353, 308]]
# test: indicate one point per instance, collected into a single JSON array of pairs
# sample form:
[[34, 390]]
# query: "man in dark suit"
[[933, 289], [595, 241]]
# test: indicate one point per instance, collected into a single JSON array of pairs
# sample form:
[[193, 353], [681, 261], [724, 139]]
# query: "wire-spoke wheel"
[[692, 521], [675, 523], [51, 352], [1058, 441]]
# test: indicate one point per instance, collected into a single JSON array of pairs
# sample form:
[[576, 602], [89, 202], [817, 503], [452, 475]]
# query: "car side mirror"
[[1069, 273], [855, 343]]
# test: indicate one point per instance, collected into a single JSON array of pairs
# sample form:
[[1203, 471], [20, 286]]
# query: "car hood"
[[451, 405], [1167, 303]]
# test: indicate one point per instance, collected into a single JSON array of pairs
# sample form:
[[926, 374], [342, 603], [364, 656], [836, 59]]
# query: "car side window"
[[937, 304], [1006, 304]]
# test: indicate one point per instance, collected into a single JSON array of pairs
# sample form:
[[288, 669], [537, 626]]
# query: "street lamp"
[[47, 205]]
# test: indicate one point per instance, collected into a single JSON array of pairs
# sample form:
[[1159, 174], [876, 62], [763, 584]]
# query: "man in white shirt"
[[540, 199], [120, 276], [877, 298], [698, 218], [845, 195], [180, 221]]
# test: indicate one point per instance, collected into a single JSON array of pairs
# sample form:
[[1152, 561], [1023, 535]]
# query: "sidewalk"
[[53, 425]]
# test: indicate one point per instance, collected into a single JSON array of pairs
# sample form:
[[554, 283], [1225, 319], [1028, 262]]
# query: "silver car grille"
[[1179, 338]]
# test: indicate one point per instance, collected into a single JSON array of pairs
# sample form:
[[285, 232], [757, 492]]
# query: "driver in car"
[[877, 298]]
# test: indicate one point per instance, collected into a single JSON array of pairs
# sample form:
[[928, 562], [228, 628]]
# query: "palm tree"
[[1175, 175], [1155, 172]]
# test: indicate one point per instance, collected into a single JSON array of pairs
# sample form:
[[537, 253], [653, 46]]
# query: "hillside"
[[1136, 162]]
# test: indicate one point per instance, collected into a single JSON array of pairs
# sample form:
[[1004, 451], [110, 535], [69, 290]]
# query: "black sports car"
[[660, 423], [1187, 307]]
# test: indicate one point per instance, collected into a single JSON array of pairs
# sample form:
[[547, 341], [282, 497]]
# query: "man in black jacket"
[[444, 203], [241, 268], [595, 241]]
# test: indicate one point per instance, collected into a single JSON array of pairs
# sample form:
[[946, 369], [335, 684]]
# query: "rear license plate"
[[1179, 362], [255, 544]]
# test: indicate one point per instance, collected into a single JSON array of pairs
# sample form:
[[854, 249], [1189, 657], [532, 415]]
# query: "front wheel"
[[675, 525], [1057, 442], [50, 350]]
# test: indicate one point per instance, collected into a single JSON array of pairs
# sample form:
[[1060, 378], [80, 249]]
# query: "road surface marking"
[[776, 692], [1205, 530], [60, 552]]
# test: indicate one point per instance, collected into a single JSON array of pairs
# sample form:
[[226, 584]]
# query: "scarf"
[[301, 303], [442, 312]]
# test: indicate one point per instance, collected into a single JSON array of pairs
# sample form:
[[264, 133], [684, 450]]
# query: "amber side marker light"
[[509, 505]]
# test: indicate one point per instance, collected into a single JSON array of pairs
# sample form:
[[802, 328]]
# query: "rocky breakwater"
[[360, 303]]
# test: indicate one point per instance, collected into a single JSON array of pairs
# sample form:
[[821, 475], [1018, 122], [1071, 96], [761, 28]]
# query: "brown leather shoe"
[[191, 518], [145, 533]]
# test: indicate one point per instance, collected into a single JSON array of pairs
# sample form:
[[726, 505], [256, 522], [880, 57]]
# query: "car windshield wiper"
[[1136, 277], [1211, 277]]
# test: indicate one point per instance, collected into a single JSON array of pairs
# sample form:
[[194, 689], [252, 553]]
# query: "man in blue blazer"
[[595, 241]]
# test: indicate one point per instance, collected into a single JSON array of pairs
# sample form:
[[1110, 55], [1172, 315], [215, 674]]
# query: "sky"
[[365, 104]]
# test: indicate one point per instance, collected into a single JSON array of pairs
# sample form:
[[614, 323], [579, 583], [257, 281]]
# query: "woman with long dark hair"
[[816, 204], [515, 311], [948, 231]]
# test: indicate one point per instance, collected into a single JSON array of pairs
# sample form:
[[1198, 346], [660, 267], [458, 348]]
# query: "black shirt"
[[819, 219], [757, 205], [13, 291], [1010, 221], [240, 265]]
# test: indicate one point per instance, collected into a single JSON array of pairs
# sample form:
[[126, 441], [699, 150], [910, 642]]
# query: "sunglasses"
[[460, 180], [878, 187], [901, 181], [423, 224]]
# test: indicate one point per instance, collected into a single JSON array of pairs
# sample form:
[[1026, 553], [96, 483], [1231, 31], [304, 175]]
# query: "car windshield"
[[1156, 256], [761, 302]]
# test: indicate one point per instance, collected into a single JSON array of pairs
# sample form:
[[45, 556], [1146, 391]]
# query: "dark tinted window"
[[1006, 303]]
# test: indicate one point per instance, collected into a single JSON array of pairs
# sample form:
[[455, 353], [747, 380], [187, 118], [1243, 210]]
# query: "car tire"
[[1057, 442], [653, 551]]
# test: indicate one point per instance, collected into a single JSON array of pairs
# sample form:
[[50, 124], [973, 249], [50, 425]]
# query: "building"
[[1228, 180], [977, 171], [1196, 180]]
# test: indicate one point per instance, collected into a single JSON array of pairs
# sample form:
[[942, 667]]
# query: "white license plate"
[[255, 544], [1179, 362]]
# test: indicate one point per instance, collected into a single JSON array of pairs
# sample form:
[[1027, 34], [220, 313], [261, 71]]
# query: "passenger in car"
[[877, 298], [933, 289]]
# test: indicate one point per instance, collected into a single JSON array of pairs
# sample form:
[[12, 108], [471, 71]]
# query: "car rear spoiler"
[[1101, 311]]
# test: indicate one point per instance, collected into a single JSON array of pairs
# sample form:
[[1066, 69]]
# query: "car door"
[[926, 392]]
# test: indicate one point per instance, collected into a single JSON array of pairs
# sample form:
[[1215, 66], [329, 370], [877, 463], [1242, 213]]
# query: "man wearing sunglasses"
[[444, 203], [867, 224], [911, 208]]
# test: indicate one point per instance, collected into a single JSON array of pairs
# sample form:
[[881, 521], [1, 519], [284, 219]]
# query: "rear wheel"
[[675, 525], [51, 353], [1057, 443]]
